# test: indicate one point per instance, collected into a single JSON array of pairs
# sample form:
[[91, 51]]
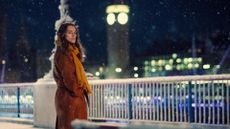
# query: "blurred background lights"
[[3, 62], [118, 70]]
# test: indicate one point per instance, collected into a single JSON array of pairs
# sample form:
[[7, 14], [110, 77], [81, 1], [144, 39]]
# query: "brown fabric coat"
[[69, 99]]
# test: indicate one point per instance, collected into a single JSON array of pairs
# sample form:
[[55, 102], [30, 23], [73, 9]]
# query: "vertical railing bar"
[[218, 102], [106, 101], [18, 101], [165, 112], [173, 108], [199, 99], [93, 101], [157, 104], [98, 99], [110, 101], [101, 103], [154, 108], [195, 102], [185, 89], [177, 102], [143, 99], [161, 102], [228, 107], [98, 108], [209, 104], [115, 99], [134, 94], [180, 86], [223, 104], [103, 99], [190, 109], [130, 106], [124, 100], [138, 102], [139, 117], [151, 96], [146, 93], [204, 104], [213, 103], [169, 104], [118, 100]]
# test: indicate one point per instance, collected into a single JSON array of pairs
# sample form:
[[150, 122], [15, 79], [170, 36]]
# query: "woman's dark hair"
[[63, 43]]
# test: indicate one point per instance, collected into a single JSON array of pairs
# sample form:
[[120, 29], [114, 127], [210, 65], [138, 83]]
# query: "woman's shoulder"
[[61, 54]]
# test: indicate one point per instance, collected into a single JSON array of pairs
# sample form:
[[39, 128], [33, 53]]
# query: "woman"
[[70, 77]]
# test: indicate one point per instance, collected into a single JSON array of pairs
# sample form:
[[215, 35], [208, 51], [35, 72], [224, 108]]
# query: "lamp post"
[[117, 40]]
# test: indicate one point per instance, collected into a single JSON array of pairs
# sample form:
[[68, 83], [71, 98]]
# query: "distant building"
[[117, 41]]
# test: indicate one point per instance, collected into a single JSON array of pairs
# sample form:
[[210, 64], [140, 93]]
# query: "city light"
[[135, 68], [178, 60], [3, 62], [136, 75], [118, 70], [26, 60], [153, 62], [97, 73], [174, 55], [168, 67], [206, 66]]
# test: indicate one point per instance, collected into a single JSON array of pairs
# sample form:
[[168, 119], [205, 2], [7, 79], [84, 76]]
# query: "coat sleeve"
[[67, 71]]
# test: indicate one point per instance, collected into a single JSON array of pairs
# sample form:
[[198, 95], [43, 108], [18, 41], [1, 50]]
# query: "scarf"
[[80, 73]]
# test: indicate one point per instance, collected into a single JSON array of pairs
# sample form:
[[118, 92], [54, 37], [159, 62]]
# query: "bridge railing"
[[16, 100], [192, 99]]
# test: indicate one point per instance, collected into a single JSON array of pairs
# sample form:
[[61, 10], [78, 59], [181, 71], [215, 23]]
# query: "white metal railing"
[[194, 99], [16, 99]]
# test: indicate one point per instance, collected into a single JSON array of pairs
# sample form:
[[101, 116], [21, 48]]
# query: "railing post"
[[18, 100], [130, 101], [190, 110]]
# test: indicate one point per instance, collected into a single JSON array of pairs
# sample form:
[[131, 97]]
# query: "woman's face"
[[71, 34]]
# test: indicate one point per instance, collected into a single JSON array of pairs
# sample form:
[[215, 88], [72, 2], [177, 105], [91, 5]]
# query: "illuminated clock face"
[[122, 18], [111, 18]]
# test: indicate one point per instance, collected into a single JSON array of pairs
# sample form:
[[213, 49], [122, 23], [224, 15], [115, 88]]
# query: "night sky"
[[149, 20]]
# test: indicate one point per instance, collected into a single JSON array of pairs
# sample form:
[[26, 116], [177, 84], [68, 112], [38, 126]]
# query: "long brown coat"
[[69, 99]]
